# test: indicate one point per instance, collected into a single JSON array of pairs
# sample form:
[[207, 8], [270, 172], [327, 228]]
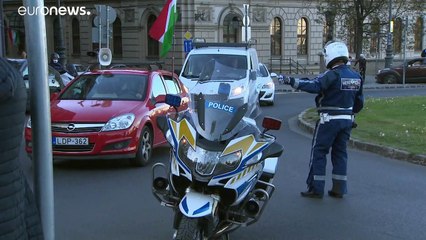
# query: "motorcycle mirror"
[[173, 100], [270, 123], [159, 99]]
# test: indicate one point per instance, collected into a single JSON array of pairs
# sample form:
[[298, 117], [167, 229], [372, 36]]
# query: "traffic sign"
[[106, 14], [187, 35], [187, 45]]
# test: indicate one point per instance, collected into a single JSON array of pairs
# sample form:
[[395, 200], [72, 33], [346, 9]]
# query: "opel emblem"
[[71, 127]]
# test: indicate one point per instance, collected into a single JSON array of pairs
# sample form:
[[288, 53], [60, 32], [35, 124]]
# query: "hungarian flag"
[[163, 27]]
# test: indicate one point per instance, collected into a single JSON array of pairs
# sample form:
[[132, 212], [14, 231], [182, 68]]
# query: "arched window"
[[418, 34], [95, 33], [75, 25], [117, 39], [56, 34], [231, 29], [397, 35], [302, 36], [153, 46], [375, 36], [275, 31], [16, 25]]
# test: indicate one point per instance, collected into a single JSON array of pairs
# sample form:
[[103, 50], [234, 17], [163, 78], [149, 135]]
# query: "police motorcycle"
[[221, 166]]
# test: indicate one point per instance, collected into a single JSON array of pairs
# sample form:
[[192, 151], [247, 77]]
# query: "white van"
[[237, 62]]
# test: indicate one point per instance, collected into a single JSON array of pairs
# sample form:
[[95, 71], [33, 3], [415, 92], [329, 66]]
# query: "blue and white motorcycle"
[[221, 165]]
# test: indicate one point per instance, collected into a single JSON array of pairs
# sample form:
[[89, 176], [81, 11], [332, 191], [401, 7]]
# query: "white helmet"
[[335, 51]]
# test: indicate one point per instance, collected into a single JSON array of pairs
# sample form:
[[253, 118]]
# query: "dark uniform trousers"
[[332, 134]]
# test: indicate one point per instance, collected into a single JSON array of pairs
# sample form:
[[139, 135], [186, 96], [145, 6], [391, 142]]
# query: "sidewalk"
[[370, 83]]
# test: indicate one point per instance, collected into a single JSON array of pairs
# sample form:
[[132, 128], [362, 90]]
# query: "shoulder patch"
[[350, 84]]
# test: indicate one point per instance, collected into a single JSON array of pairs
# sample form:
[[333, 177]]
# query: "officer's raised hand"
[[288, 80]]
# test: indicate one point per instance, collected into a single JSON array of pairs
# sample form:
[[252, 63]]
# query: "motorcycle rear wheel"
[[189, 229]]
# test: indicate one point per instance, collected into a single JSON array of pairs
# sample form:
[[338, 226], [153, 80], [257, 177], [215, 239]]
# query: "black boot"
[[311, 194], [335, 195]]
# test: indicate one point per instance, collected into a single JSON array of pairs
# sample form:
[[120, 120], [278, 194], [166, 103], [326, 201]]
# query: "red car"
[[111, 114]]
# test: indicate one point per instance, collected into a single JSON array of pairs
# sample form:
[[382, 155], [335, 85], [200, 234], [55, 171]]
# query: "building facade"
[[289, 34]]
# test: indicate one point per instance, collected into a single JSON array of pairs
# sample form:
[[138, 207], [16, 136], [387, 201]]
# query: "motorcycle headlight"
[[206, 161], [231, 160], [119, 123]]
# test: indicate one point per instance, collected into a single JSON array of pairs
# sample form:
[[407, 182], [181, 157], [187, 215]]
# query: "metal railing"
[[287, 65]]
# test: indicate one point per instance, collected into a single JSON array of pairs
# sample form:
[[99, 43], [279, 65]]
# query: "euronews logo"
[[53, 11]]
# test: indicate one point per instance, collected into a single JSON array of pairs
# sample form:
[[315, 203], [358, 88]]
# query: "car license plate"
[[70, 141]]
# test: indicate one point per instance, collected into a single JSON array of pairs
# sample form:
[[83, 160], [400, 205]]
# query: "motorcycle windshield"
[[217, 108]]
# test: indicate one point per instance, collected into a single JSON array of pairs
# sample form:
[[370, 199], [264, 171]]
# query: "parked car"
[[54, 79], [266, 85], [415, 72], [111, 114]]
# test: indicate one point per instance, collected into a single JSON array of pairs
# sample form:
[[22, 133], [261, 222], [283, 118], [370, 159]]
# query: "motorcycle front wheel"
[[189, 229]]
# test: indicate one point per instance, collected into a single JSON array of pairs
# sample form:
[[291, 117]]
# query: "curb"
[[378, 86], [370, 147]]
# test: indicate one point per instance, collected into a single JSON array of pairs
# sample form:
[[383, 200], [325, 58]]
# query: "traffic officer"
[[339, 97]]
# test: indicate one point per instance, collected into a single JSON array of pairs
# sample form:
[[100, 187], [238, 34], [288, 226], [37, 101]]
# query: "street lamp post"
[[389, 51]]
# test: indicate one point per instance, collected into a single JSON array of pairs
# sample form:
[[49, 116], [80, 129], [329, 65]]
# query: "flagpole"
[[173, 54]]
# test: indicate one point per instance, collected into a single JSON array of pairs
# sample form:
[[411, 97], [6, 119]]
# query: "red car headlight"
[[119, 123]]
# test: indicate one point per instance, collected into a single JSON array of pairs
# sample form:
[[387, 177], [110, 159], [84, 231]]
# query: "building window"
[[56, 34], [397, 35], [375, 36], [231, 29], [75, 36], [117, 38], [418, 36], [302, 37], [153, 46], [17, 29], [276, 36], [95, 35]]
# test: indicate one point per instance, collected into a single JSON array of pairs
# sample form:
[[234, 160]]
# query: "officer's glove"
[[288, 80]]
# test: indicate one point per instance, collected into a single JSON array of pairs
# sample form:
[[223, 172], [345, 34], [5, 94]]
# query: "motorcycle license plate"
[[70, 141]]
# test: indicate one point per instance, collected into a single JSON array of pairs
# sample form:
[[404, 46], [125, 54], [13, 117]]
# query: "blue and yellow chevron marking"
[[184, 129], [243, 173], [246, 145]]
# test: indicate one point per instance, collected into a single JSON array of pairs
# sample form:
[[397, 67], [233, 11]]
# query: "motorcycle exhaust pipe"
[[160, 183], [252, 208]]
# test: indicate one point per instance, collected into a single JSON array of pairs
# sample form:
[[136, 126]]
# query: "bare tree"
[[358, 14]]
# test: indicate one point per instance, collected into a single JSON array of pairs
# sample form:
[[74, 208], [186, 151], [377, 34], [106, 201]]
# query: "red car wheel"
[[143, 156]]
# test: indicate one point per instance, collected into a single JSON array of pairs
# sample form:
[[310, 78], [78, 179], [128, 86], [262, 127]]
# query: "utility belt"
[[325, 117]]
